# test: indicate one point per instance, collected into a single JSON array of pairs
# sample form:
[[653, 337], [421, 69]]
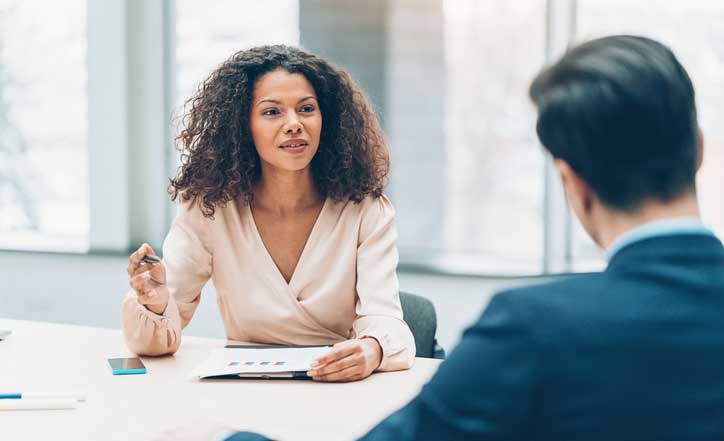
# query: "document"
[[260, 362]]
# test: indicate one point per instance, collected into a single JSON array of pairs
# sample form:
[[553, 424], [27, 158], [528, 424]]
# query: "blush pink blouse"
[[344, 285]]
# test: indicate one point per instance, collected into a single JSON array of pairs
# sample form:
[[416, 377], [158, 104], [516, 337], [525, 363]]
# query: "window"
[[694, 30], [494, 161], [210, 32], [468, 198], [449, 79], [43, 125]]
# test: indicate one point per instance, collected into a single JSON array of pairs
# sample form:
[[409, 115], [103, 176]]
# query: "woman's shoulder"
[[365, 213], [380, 205], [369, 206], [193, 213], [211, 229]]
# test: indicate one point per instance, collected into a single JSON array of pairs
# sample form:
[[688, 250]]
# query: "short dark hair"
[[219, 162], [620, 110]]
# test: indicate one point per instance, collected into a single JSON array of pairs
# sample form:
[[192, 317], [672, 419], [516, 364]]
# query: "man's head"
[[619, 117]]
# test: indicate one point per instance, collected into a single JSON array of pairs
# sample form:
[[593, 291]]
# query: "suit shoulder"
[[563, 286], [548, 305]]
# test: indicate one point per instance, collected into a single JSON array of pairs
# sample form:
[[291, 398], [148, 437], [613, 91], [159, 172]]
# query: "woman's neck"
[[285, 192]]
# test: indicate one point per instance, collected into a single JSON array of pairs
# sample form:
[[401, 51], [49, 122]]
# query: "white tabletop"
[[44, 357]]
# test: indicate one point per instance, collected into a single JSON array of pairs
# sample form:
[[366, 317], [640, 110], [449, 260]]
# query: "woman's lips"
[[294, 145]]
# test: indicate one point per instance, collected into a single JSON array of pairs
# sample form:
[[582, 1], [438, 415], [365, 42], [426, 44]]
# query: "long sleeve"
[[481, 392], [379, 313], [188, 262]]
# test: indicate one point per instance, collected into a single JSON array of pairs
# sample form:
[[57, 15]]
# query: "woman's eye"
[[270, 112], [307, 109]]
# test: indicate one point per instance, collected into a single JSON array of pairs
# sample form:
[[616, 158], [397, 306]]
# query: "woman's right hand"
[[148, 280]]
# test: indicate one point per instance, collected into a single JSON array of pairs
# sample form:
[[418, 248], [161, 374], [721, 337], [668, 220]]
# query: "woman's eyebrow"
[[269, 100], [272, 100]]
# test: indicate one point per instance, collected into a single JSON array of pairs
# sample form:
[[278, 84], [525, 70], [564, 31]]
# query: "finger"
[[355, 359], [350, 374], [151, 297], [143, 283], [156, 272], [141, 269], [137, 283], [134, 259], [338, 351], [132, 263]]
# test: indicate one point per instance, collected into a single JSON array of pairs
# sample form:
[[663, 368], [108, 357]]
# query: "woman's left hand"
[[349, 360]]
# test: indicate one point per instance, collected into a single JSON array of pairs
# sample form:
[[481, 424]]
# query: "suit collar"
[[662, 227], [688, 247]]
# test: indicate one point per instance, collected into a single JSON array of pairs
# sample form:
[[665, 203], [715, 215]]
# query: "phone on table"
[[126, 366]]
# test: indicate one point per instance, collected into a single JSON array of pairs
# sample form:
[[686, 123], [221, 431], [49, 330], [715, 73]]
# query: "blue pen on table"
[[41, 395]]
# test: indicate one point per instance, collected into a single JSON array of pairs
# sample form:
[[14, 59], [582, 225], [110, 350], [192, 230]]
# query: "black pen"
[[150, 259]]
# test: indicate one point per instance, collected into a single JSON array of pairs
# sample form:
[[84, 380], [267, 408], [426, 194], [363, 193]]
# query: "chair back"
[[419, 314]]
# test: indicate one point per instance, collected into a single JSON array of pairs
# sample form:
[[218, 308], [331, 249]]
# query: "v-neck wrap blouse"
[[344, 285]]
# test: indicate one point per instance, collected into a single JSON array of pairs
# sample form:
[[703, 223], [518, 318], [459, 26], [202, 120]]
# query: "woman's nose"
[[292, 124]]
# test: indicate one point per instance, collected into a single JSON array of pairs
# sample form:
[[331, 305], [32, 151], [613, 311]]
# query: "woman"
[[281, 205]]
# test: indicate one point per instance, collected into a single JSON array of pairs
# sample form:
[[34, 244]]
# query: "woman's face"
[[285, 120]]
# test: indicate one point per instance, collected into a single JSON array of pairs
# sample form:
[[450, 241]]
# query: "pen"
[[150, 258], [38, 404], [41, 395]]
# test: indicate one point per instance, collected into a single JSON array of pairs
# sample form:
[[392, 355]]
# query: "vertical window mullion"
[[557, 255], [107, 125]]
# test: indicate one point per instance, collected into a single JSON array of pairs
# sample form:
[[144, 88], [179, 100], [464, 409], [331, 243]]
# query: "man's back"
[[635, 352]]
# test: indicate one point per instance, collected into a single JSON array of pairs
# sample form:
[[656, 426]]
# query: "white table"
[[48, 357]]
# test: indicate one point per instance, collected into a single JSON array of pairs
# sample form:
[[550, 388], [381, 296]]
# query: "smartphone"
[[126, 366]]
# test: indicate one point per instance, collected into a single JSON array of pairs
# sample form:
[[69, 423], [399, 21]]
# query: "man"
[[635, 352]]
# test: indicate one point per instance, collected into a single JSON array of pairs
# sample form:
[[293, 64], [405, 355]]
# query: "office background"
[[91, 92]]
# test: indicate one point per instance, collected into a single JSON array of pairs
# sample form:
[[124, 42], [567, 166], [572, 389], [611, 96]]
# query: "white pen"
[[41, 395], [39, 404]]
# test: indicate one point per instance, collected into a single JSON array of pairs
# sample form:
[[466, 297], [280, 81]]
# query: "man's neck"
[[614, 224]]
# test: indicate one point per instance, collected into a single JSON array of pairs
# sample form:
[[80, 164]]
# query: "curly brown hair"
[[219, 162]]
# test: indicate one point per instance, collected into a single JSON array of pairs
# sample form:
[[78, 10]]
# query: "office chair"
[[419, 314]]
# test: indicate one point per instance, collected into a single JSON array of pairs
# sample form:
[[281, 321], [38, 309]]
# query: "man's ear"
[[700, 148], [578, 192]]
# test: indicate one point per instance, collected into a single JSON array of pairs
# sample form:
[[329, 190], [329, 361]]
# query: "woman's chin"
[[288, 166]]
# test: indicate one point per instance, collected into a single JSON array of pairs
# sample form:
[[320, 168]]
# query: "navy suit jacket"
[[633, 353]]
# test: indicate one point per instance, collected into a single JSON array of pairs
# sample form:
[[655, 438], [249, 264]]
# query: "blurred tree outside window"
[[43, 125]]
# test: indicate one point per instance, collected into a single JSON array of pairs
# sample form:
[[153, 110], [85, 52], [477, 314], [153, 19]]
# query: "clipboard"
[[236, 361]]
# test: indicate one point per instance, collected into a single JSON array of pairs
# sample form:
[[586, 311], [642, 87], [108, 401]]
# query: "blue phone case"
[[129, 371], [124, 369]]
